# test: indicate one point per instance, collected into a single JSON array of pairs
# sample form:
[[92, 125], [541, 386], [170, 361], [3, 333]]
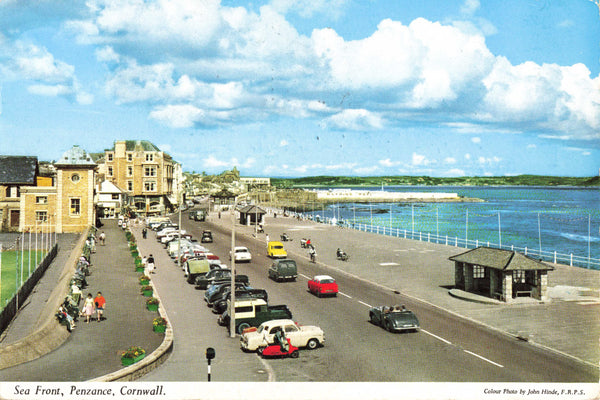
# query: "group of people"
[[93, 305]]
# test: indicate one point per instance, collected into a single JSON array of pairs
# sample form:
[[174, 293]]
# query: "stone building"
[[144, 172], [501, 274], [16, 173], [68, 204]]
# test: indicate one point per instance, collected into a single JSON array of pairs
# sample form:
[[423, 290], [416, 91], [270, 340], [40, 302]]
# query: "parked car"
[[206, 237], [241, 254], [394, 318], [253, 312], [307, 336], [285, 269], [221, 275], [276, 250], [322, 285], [194, 268], [168, 231], [215, 292], [220, 305]]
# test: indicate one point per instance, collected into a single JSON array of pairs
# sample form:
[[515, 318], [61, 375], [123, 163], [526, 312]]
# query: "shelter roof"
[[252, 209], [18, 170], [75, 156], [506, 260]]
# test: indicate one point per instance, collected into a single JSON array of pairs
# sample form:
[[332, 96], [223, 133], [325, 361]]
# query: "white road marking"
[[483, 358], [388, 264], [436, 336], [344, 294], [304, 276], [365, 304]]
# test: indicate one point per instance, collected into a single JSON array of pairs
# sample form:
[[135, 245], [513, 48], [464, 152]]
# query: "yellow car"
[[276, 250]]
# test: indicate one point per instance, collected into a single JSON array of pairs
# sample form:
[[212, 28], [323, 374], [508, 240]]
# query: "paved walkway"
[[93, 349]]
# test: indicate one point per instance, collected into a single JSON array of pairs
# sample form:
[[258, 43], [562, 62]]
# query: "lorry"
[[253, 312]]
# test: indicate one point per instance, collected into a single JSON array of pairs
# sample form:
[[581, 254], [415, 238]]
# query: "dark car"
[[240, 294], [206, 237], [218, 276], [394, 318], [215, 292]]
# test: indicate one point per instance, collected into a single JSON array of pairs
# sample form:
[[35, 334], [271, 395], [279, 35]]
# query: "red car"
[[323, 285]]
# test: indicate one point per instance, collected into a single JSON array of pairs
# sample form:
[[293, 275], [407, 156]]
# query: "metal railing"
[[549, 256]]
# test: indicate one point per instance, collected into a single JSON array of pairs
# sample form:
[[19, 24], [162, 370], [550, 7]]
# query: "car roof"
[[321, 277], [240, 248]]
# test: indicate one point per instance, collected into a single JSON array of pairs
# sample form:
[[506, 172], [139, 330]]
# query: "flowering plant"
[[146, 287], [144, 278], [133, 352], [159, 321], [152, 300]]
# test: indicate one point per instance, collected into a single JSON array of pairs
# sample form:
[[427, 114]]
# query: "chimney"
[[120, 147]]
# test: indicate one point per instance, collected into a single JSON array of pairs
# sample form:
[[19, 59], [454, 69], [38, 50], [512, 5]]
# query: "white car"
[[307, 336], [241, 254]]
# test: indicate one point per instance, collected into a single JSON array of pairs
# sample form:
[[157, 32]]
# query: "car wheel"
[[312, 344], [388, 326], [295, 354], [319, 294], [372, 318], [243, 326], [260, 350]]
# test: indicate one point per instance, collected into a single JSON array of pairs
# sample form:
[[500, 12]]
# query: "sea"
[[556, 224]]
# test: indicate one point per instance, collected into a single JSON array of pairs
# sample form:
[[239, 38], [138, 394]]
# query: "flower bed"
[[152, 304], [159, 324], [147, 290], [144, 280], [132, 355]]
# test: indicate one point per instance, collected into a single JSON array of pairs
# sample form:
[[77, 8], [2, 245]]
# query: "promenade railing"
[[549, 256]]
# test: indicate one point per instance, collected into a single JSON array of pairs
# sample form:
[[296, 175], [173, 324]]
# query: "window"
[[110, 171], [478, 271], [150, 171], [109, 156], [75, 206], [13, 191], [149, 157], [130, 186], [115, 196], [150, 186], [41, 216], [41, 199], [75, 178], [519, 276], [129, 170], [129, 157]]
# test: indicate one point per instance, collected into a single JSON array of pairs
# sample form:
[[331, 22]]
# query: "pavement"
[[567, 324]]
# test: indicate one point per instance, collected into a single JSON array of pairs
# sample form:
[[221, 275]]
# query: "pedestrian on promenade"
[[102, 238], [100, 303], [88, 307], [267, 237], [144, 232], [150, 264]]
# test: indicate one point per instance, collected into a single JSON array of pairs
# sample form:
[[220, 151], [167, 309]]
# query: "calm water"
[[565, 220]]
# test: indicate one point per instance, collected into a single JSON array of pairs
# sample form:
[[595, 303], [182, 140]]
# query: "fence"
[[550, 256]]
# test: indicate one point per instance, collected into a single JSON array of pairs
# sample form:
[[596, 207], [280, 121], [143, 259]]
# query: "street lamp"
[[232, 290]]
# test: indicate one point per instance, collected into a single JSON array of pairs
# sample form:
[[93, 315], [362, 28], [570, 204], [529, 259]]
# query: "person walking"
[[100, 303], [150, 264], [88, 307], [144, 232], [102, 238]]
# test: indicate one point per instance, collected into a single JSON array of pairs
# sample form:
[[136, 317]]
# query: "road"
[[446, 349]]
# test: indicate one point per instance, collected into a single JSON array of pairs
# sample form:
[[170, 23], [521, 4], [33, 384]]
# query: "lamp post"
[[232, 290]]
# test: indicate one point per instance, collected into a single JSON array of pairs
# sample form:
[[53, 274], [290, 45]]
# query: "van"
[[276, 250], [194, 268], [285, 269]]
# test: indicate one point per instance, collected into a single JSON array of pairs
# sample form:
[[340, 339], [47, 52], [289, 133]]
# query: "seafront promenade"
[[567, 324]]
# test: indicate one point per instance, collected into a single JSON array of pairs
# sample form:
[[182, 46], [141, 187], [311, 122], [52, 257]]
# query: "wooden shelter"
[[501, 274], [251, 214]]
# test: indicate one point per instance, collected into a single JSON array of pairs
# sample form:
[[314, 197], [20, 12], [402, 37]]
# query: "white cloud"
[[476, 139], [450, 160], [178, 116], [355, 120], [467, 156], [308, 8], [419, 159], [388, 163], [283, 143], [455, 172], [469, 7]]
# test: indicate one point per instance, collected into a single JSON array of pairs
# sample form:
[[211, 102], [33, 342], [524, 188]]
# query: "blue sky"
[[309, 87]]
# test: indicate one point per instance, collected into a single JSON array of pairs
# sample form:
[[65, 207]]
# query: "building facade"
[[144, 172], [16, 173]]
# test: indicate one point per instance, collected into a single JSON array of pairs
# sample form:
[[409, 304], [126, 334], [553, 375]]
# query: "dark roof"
[[133, 145], [18, 170], [252, 209], [506, 260]]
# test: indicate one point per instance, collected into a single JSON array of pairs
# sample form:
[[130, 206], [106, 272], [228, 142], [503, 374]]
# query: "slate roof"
[[20, 170], [75, 156], [252, 209], [505, 260], [133, 145]]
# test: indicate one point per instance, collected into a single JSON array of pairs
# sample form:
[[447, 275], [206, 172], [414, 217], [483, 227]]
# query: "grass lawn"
[[9, 271]]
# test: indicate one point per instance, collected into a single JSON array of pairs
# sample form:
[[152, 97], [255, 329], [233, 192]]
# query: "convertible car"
[[394, 318]]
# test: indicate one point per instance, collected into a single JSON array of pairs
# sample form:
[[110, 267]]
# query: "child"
[[100, 302]]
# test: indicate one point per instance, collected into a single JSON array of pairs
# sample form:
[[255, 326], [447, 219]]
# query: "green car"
[[394, 318], [285, 269]]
